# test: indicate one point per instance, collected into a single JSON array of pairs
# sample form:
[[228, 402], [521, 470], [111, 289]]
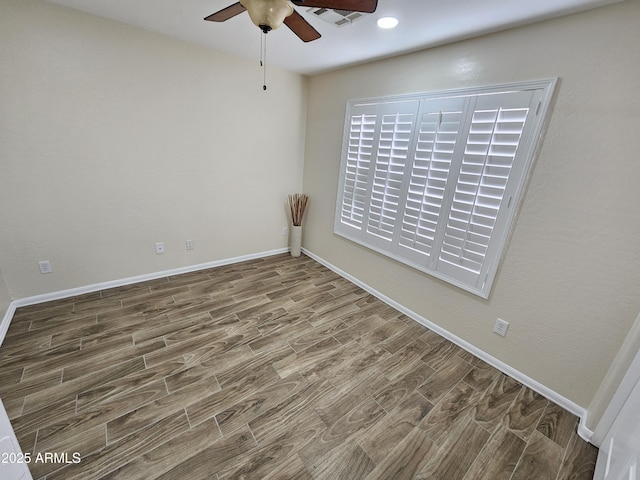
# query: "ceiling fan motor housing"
[[267, 14]]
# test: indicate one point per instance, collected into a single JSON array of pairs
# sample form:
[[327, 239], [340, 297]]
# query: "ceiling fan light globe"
[[267, 13]]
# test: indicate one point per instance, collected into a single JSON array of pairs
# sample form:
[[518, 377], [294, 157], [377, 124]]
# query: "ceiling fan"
[[270, 14]]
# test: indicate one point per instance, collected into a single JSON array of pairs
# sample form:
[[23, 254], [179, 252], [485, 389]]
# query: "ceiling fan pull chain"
[[261, 47], [263, 61]]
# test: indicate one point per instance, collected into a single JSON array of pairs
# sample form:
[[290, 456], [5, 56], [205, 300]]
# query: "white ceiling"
[[423, 24]]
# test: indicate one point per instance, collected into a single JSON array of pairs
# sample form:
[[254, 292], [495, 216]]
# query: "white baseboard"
[[47, 297], [534, 385], [6, 321]]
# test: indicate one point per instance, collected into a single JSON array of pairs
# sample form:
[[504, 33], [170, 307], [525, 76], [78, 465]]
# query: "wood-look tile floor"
[[269, 369]]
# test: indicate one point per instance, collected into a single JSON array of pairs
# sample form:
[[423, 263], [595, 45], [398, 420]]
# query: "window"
[[433, 180]]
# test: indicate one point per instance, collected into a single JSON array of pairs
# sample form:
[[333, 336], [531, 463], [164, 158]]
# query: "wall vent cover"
[[339, 18]]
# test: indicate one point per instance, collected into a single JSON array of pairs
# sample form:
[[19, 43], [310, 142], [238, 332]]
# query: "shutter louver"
[[358, 161]]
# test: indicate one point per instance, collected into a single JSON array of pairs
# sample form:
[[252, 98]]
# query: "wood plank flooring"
[[275, 368]]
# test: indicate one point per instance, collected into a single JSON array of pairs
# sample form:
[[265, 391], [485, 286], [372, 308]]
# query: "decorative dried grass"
[[297, 207]]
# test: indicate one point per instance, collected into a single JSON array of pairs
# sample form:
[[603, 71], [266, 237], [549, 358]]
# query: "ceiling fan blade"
[[366, 6], [301, 27], [226, 13]]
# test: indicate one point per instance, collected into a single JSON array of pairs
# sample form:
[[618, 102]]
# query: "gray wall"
[[114, 138]]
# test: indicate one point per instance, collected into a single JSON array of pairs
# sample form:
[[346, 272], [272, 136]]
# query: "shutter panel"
[[397, 121], [437, 135], [496, 129], [355, 196]]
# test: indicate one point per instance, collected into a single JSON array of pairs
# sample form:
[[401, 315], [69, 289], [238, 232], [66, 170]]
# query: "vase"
[[296, 240]]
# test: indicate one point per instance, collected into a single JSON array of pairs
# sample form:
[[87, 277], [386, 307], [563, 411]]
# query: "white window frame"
[[434, 180]]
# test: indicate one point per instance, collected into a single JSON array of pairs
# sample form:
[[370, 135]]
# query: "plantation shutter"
[[397, 121], [437, 137], [433, 180], [358, 160]]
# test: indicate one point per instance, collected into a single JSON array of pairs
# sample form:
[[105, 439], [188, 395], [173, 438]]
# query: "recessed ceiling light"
[[387, 22]]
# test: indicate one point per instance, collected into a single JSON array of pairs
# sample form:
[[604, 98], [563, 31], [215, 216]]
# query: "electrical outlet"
[[500, 327], [189, 244], [285, 231], [45, 266], [159, 248]]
